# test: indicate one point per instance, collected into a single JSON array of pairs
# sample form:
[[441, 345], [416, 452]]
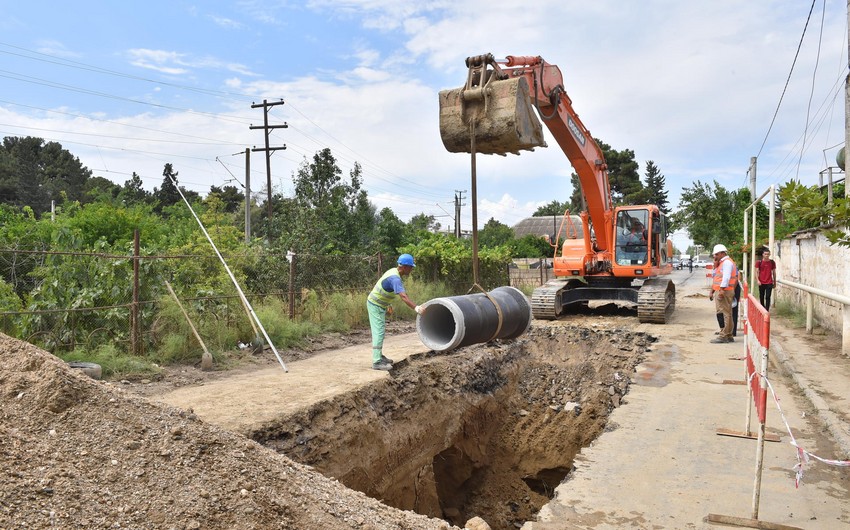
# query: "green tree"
[[99, 189], [806, 206], [623, 177], [34, 173], [422, 223], [331, 215], [554, 208], [712, 214], [654, 192], [230, 196], [532, 246], [390, 232], [495, 233], [133, 192], [167, 195]]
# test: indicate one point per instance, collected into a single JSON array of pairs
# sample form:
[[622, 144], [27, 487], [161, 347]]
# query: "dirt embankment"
[[79, 453], [485, 431]]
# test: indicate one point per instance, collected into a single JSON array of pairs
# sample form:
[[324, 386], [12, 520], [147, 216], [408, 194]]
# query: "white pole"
[[232, 278]]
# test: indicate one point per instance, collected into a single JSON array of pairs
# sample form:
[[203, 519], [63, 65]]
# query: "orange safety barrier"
[[757, 344]]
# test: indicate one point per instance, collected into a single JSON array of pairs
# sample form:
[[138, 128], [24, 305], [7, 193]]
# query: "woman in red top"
[[766, 268]]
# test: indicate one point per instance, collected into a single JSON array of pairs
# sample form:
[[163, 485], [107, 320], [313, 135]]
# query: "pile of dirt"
[[86, 454]]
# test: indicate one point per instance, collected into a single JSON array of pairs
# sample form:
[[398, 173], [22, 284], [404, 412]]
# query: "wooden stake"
[[206, 358]]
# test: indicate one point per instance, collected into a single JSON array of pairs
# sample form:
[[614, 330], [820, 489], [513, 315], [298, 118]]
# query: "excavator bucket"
[[500, 113]]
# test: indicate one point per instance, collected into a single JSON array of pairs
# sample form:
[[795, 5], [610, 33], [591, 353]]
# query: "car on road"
[[702, 263]]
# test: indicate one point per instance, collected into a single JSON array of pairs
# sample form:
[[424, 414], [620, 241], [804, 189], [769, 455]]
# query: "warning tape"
[[803, 456]]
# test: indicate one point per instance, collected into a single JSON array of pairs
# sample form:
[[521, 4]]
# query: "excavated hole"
[[489, 430]]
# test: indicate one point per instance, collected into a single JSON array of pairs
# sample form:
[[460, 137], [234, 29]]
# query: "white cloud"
[[55, 48], [175, 63], [225, 22]]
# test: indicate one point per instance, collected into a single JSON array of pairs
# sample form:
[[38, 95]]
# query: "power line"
[[787, 81]]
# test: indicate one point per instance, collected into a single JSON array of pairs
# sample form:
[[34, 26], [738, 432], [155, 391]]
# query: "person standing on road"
[[723, 290], [386, 290], [691, 264], [766, 268], [736, 303]]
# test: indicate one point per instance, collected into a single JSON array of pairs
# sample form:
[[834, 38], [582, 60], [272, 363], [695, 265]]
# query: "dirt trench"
[[487, 431]]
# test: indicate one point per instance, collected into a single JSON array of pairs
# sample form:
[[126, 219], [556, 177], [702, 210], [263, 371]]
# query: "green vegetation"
[[67, 275]]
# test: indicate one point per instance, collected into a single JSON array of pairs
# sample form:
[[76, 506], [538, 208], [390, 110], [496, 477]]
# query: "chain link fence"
[[61, 301]]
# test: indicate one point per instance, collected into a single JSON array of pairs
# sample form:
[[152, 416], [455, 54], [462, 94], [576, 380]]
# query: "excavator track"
[[656, 300], [546, 300]]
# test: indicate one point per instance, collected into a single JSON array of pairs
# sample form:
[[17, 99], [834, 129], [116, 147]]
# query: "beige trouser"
[[723, 304]]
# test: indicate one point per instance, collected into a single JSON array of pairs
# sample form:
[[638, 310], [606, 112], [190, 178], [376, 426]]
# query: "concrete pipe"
[[455, 321]]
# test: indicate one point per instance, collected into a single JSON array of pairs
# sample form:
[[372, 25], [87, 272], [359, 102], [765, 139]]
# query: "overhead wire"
[[788, 80], [30, 54], [812, 91]]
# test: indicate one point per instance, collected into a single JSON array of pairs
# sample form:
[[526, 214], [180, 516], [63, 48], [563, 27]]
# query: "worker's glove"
[[419, 309]]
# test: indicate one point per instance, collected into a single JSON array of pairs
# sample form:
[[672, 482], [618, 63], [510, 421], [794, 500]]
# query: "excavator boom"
[[624, 250]]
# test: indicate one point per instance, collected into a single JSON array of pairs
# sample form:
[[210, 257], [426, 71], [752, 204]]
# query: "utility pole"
[[247, 195], [458, 201], [268, 128], [847, 115]]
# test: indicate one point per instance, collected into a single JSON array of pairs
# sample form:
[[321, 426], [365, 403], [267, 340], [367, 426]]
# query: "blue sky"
[[692, 86]]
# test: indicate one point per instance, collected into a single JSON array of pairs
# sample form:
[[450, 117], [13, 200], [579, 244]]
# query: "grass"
[[223, 327], [114, 364], [791, 312]]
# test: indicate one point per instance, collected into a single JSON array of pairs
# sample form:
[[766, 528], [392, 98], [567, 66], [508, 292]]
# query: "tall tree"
[[133, 192], [712, 214], [332, 215], [422, 222], [623, 177], [230, 196], [654, 192], [553, 208], [495, 233], [34, 173], [390, 232], [167, 195]]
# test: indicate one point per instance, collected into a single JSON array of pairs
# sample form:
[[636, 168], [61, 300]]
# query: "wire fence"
[[61, 301]]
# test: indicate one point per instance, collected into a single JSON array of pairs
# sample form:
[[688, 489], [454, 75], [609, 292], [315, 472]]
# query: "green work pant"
[[378, 323]]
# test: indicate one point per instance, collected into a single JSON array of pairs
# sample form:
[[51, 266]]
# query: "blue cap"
[[406, 259]]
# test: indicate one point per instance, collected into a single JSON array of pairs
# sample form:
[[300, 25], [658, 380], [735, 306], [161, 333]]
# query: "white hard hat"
[[718, 248]]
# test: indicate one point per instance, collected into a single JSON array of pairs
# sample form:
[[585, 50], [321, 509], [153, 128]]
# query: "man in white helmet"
[[723, 290], [388, 288]]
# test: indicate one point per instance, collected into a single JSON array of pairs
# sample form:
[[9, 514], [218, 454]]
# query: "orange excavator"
[[624, 251]]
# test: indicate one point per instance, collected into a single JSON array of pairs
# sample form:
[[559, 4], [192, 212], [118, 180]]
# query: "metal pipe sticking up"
[[455, 321]]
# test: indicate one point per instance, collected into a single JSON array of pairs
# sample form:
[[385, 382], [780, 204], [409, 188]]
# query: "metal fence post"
[[135, 324], [810, 307], [291, 256]]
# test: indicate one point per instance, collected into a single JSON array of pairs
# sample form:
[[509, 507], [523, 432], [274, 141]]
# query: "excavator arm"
[[496, 113]]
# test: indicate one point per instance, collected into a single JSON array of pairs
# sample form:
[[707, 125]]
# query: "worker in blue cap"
[[386, 290]]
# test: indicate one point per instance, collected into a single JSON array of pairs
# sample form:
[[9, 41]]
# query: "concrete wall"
[[808, 258]]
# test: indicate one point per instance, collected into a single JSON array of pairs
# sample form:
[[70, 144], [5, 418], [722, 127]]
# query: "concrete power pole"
[[268, 150], [458, 204], [247, 195], [751, 266], [847, 113]]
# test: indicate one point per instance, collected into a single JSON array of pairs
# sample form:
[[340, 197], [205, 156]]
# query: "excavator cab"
[[632, 241], [492, 109]]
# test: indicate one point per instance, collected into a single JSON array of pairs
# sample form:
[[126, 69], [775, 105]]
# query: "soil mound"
[[80, 453]]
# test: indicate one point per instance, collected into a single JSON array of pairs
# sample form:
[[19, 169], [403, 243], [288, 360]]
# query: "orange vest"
[[717, 279]]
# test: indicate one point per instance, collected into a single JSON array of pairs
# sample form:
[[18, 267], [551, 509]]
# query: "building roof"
[[548, 225]]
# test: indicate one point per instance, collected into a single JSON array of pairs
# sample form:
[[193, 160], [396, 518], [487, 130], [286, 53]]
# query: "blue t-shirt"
[[393, 285]]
